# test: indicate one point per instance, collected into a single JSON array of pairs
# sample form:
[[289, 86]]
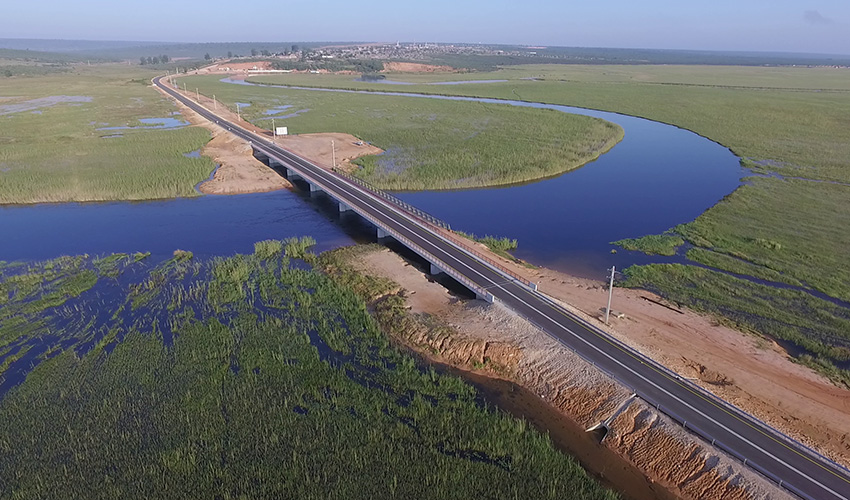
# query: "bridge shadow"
[[362, 231]]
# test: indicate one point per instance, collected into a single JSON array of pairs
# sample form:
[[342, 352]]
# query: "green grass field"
[[56, 154], [244, 377], [792, 123], [431, 144]]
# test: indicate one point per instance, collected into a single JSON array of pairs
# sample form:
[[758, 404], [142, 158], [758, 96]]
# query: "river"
[[658, 176]]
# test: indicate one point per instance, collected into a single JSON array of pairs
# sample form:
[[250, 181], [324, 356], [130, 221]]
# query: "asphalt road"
[[787, 462]]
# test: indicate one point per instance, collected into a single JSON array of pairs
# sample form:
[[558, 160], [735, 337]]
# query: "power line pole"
[[274, 132], [215, 104], [198, 94], [333, 152], [238, 115], [610, 292]]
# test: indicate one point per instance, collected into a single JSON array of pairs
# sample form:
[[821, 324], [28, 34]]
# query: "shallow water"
[[153, 123], [42, 102]]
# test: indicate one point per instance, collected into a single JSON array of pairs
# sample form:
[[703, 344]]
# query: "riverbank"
[[491, 341], [786, 124], [239, 172], [750, 372], [430, 144]]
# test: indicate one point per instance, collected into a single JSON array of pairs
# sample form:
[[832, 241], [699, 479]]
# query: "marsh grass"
[[434, 144], [786, 121], [500, 246], [284, 388], [58, 154], [815, 325], [653, 244]]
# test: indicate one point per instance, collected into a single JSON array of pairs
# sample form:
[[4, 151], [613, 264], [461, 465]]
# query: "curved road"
[[787, 462]]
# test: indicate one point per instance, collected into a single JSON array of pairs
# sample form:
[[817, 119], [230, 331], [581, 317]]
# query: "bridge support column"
[[488, 297], [291, 175], [532, 285], [314, 189], [382, 234], [435, 269], [344, 208]]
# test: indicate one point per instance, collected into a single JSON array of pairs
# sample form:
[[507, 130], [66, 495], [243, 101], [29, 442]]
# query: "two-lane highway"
[[788, 463]]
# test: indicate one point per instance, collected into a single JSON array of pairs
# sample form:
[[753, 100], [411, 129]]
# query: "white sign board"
[[281, 131]]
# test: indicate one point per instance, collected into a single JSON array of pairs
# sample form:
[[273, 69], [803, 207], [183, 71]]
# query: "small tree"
[[254, 52], [207, 56], [143, 61], [229, 54], [164, 58], [295, 48], [155, 60]]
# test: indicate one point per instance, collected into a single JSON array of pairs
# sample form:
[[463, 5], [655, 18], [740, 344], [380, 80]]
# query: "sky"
[[817, 26]]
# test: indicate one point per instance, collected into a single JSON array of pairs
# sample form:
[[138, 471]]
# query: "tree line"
[[163, 59]]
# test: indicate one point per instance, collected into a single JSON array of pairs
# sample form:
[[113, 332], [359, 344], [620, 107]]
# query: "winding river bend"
[[657, 177]]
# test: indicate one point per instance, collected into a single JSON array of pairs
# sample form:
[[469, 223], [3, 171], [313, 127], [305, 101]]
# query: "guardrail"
[[457, 240], [448, 235], [726, 405], [410, 244]]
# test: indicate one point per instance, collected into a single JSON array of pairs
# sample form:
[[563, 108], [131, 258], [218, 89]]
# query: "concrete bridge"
[[778, 457], [295, 170]]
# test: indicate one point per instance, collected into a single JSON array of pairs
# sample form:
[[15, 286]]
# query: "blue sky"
[[750, 25]]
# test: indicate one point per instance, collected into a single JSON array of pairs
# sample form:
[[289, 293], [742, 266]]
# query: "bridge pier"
[[435, 269], [343, 207], [314, 189], [381, 233], [292, 175]]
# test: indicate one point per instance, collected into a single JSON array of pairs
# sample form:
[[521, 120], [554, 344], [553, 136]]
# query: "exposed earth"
[[749, 371], [645, 454], [240, 172]]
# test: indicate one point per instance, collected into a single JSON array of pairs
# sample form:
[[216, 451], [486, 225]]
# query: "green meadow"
[[430, 144], [55, 152], [791, 123], [251, 376]]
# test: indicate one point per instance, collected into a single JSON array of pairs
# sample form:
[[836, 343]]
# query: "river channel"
[[658, 176]]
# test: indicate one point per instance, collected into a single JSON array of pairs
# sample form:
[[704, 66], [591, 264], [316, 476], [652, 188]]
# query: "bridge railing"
[[448, 233], [394, 200]]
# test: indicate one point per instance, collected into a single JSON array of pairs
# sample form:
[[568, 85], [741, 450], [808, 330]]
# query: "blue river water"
[[657, 177], [207, 226]]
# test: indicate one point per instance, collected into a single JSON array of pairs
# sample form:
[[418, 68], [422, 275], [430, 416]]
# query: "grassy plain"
[[246, 377], [431, 144], [56, 153], [791, 122]]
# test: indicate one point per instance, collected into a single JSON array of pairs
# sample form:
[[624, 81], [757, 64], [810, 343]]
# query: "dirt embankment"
[[240, 172], [749, 371], [645, 454], [407, 67]]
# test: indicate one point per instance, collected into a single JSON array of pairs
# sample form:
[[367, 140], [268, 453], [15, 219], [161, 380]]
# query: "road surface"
[[788, 463]]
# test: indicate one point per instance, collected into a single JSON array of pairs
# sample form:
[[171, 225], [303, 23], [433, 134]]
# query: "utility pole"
[[184, 86], [238, 115], [333, 152], [198, 94], [274, 132], [215, 104], [610, 291]]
